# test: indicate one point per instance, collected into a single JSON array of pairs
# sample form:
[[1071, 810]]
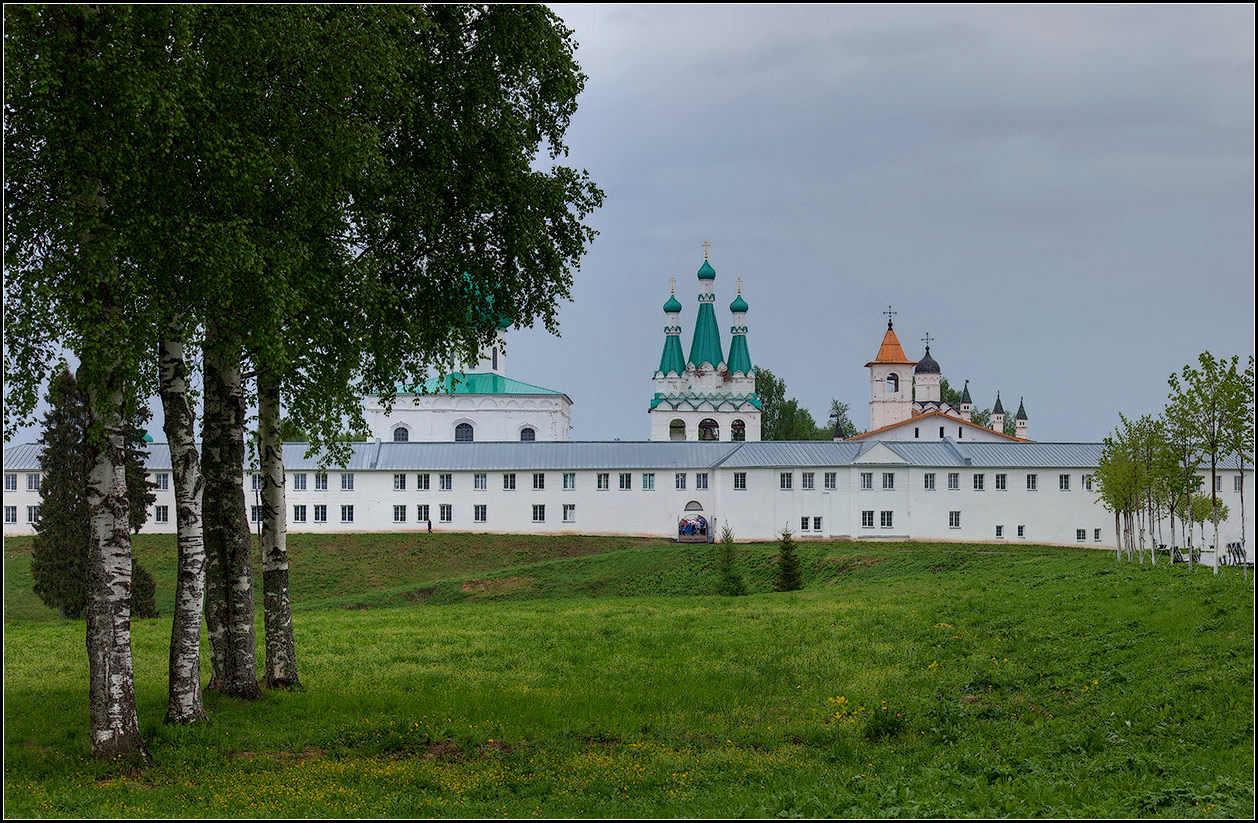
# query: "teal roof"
[[706, 272], [673, 305], [706, 345], [476, 383], [739, 357], [739, 304], [672, 360]]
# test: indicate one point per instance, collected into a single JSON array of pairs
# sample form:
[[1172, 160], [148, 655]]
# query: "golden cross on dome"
[[740, 285], [705, 249], [672, 285]]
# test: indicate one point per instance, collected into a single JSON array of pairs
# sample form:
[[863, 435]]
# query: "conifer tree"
[[731, 582], [143, 591], [59, 551], [788, 575]]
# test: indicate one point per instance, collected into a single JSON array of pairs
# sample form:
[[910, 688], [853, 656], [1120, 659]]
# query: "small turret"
[[739, 361], [1019, 420], [926, 378], [967, 405], [998, 416], [705, 348], [890, 386], [672, 361]]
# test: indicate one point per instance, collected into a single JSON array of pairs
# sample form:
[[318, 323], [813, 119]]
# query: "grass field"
[[472, 675]]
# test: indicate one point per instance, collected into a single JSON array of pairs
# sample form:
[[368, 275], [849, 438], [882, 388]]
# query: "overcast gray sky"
[[1062, 196]]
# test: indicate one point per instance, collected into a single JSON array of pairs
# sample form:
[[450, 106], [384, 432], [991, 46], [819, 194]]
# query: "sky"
[[1063, 197]]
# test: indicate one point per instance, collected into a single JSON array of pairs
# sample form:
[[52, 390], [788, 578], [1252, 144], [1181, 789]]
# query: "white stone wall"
[[758, 512], [433, 417], [662, 418], [887, 407], [927, 430]]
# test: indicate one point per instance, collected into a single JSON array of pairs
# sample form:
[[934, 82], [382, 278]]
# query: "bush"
[[730, 582], [788, 578], [143, 592]]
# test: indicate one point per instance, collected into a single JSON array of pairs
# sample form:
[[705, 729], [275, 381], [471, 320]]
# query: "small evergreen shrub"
[[143, 592], [788, 578], [730, 582]]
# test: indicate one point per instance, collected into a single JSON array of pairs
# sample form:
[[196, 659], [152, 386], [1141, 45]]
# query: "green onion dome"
[[739, 304], [673, 305], [706, 272]]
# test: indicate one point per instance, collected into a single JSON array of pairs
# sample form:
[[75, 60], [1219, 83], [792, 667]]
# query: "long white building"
[[999, 492]]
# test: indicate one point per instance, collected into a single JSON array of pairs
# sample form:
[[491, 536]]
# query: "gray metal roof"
[[627, 454]]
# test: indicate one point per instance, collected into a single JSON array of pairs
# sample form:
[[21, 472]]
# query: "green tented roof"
[[476, 383], [739, 357], [706, 345], [672, 360], [673, 305]]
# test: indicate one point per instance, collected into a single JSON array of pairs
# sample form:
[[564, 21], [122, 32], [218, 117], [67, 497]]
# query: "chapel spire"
[[705, 348], [672, 361], [739, 358]]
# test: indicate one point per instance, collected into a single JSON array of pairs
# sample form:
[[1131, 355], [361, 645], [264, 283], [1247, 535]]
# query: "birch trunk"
[[281, 654], [185, 704], [111, 683], [229, 573]]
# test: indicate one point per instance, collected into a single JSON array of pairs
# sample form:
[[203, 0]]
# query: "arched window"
[[738, 431], [527, 435], [893, 383], [677, 430], [463, 433], [401, 434], [709, 430]]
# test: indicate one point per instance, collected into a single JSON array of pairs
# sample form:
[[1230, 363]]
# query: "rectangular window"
[[888, 481], [1032, 482], [1063, 482], [803, 523], [10, 512], [321, 514], [1081, 535], [32, 482], [784, 480], [816, 524], [740, 480], [604, 481], [569, 481], [1022, 531], [626, 481], [928, 481], [299, 482], [446, 481], [954, 520], [867, 519], [163, 481], [255, 481], [32, 514], [569, 513], [954, 481], [321, 481], [1087, 482], [1096, 535], [886, 520], [347, 482], [917, 432], [480, 481], [831, 479], [399, 514], [255, 514], [1000, 531], [447, 512], [1238, 483], [539, 513], [978, 482], [299, 514], [421, 513], [161, 514], [539, 481], [867, 480], [480, 513], [1218, 482], [508, 481], [10, 485], [701, 481], [399, 482], [679, 480], [648, 482], [806, 480], [422, 482], [1002, 482], [347, 514], [941, 432]]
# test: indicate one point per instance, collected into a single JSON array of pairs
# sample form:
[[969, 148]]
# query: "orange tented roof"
[[890, 352]]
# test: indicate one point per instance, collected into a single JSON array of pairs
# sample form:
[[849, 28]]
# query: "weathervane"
[[705, 249], [889, 315]]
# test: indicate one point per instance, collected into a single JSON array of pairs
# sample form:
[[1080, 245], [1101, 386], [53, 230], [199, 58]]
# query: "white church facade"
[[480, 452]]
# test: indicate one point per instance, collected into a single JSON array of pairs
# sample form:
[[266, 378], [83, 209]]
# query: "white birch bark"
[[185, 703], [111, 684], [281, 656]]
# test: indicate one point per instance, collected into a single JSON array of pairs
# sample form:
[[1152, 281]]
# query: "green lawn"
[[461, 675]]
